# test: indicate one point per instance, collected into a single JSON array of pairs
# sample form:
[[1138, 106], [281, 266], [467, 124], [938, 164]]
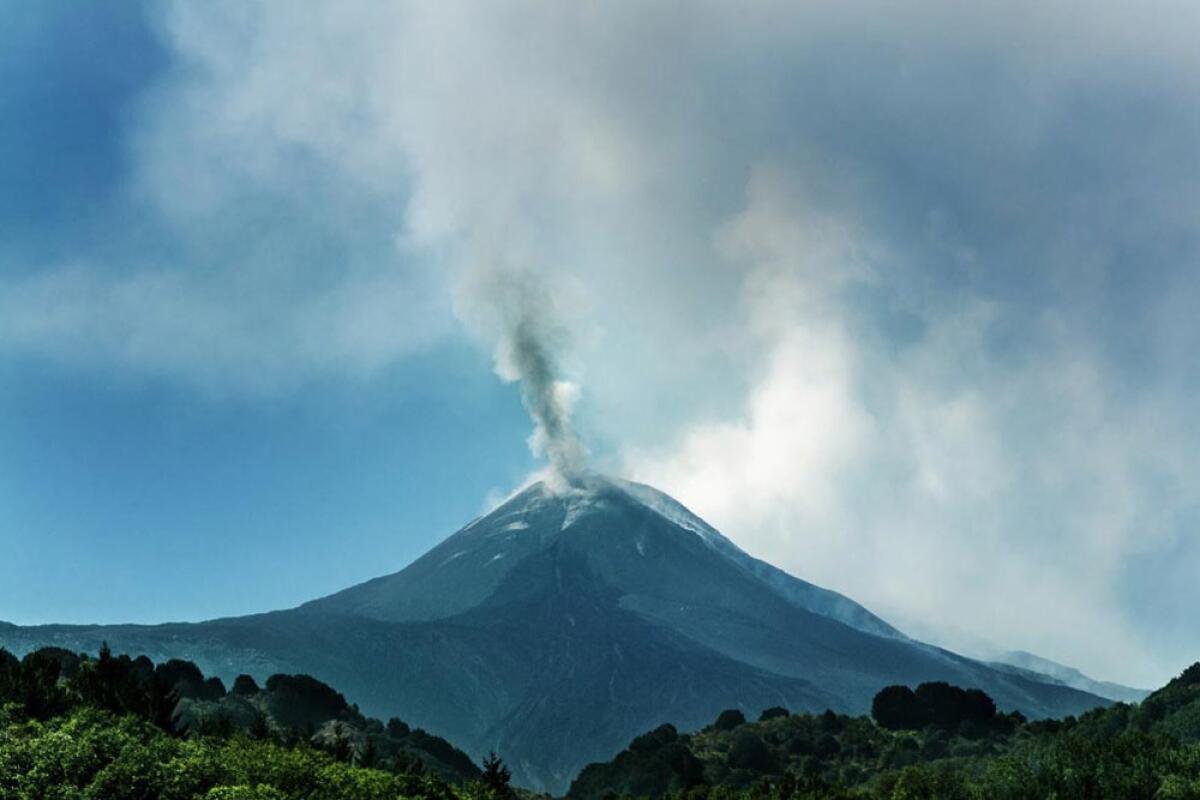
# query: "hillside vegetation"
[[936, 742], [113, 727]]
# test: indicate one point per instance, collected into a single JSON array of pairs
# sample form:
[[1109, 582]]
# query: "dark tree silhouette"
[[340, 748], [369, 755], [244, 685], [897, 708], [936, 703], [729, 719], [496, 776], [260, 727]]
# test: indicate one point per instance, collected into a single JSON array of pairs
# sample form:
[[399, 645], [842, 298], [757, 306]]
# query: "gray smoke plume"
[[522, 317]]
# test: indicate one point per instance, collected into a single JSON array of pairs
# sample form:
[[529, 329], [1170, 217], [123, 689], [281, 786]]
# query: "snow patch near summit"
[[676, 513], [578, 506]]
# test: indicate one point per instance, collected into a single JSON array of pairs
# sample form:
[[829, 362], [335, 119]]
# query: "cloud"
[[909, 475], [254, 243], [223, 335], [900, 297]]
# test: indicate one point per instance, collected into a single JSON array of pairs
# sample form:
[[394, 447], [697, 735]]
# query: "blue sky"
[[902, 302], [138, 502], [126, 497]]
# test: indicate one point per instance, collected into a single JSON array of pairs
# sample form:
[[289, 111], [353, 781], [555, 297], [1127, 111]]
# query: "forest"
[[937, 741], [107, 726], [119, 728]]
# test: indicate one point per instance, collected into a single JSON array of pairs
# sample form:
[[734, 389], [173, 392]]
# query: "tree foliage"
[[935, 704], [109, 726], [938, 741]]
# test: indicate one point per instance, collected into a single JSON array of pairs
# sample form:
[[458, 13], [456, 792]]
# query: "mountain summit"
[[635, 539], [568, 620]]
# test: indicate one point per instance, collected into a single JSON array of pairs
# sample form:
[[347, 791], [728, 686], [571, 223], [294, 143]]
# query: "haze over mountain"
[[566, 621], [1068, 676]]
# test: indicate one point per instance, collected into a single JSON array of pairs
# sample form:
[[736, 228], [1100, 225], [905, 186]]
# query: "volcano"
[[568, 620]]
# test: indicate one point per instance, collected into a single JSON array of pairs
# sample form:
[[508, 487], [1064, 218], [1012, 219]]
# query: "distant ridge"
[[1068, 676]]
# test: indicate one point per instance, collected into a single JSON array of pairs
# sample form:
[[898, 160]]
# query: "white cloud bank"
[[974, 499], [900, 298]]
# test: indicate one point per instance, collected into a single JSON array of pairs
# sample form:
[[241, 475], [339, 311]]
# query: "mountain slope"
[[620, 517], [1052, 672], [562, 623]]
